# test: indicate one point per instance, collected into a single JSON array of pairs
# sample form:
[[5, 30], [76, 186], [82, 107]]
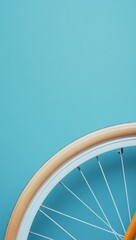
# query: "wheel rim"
[[60, 172]]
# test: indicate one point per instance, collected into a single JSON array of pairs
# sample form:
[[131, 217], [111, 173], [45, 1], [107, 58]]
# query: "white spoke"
[[40, 235], [63, 229], [79, 220], [116, 208], [125, 183], [80, 200], [98, 203]]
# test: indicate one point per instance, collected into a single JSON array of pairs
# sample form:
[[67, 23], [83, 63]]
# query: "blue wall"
[[66, 68]]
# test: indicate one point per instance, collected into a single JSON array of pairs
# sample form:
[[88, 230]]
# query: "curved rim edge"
[[71, 150]]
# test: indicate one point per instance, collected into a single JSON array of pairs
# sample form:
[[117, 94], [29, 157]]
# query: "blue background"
[[66, 68]]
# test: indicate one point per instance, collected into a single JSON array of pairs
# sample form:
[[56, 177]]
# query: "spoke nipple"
[[97, 158], [122, 150], [79, 168]]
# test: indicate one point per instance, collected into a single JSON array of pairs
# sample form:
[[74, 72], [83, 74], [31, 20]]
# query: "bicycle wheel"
[[86, 190]]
